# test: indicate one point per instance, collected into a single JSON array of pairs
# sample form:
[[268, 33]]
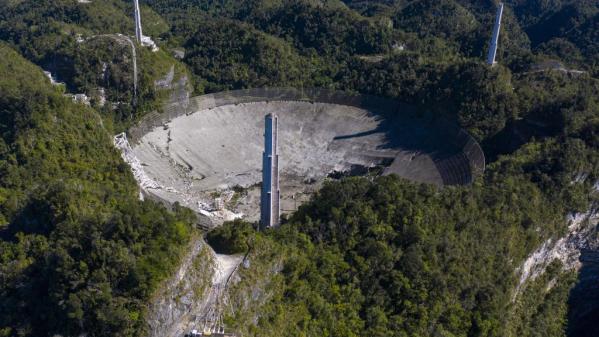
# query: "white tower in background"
[[495, 38], [145, 41], [138, 33]]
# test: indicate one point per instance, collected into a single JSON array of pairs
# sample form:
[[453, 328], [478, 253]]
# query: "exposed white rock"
[[101, 97], [79, 98], [197, 289], [214, 305], [566, 249], [167, 81], [183, 294], [179, 53], [104, 71], [580, 177], [399, 46], [52, 79]]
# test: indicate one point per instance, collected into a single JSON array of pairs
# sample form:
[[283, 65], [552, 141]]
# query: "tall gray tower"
[[269, 205], [495, 38], [138, 32]]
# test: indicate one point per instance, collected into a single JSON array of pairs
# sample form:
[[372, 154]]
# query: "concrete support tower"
[[269, 205], [495, 38], [138, 32]]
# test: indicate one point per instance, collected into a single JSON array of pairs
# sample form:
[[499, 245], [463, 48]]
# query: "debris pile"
[[121, 143]]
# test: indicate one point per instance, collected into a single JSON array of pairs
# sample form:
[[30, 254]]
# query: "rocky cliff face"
[[180, 297], [257, 281], [581, 236], [578, 252], [584, 297], [176, 85], [193, 293]]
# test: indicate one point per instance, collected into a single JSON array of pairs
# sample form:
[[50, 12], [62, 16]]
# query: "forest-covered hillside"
[[78, 251], [81, 255]]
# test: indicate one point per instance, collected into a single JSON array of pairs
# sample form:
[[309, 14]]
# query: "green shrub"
[[231, 238]]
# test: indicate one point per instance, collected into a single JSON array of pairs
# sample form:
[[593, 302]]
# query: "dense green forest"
[[78, 251], [81, 46], [387, 258], [81, 255]]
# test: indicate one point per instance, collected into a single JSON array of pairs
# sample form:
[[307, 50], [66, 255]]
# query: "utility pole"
[[495, 38], [270, 196]]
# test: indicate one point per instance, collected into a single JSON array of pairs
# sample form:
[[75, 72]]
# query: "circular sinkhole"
[[206, 152]]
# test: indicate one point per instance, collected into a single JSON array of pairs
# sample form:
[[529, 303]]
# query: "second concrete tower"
[[269, 205]]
